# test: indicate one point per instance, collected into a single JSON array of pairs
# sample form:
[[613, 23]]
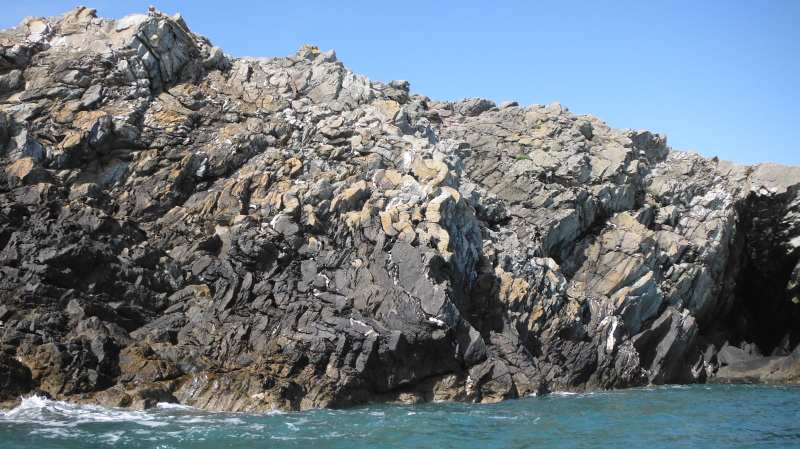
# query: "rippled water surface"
[[703, 416]]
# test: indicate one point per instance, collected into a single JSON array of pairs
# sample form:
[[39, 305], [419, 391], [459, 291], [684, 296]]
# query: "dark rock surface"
[[251, 234]]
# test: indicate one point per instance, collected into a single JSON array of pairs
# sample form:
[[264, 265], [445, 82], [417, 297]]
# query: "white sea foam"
[[563, 393], [284, 437], [504, 418], [171, 406], [111, 437], [195, 420], [152, 423], [66, 414], [54, 432], [28, 407]]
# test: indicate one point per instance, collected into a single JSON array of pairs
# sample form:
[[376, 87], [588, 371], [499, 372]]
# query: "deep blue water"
[[701, 416]]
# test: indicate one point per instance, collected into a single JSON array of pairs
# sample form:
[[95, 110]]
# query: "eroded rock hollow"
[[251, 234]]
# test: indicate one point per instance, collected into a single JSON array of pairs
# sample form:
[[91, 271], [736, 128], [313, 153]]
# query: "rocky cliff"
[[251, 234]]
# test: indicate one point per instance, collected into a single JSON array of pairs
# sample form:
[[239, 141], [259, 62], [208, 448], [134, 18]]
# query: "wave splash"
[[37, 408]]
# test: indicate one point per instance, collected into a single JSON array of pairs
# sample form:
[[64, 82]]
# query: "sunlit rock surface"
[[248, 234]]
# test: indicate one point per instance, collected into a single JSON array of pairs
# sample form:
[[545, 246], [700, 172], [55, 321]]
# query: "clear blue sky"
[[718, 77]]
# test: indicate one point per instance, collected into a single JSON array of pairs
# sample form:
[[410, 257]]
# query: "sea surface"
[[699, 416]]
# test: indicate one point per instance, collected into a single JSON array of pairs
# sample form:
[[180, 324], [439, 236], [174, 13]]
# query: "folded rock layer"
[[252, 234]]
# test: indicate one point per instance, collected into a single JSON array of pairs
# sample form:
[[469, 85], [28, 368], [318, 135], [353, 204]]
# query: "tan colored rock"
[[27, 171]]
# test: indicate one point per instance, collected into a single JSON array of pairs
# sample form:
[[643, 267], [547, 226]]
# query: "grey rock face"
[[252, 234]]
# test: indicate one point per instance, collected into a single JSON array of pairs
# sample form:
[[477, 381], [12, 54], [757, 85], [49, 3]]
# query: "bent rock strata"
[[252, 234]]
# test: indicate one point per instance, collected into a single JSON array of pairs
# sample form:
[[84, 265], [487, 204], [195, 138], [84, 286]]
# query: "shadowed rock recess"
[[251, 234]]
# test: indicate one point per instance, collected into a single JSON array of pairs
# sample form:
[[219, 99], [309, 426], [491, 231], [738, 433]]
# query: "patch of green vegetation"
[[523, 157], [595, 139], [653, 192]]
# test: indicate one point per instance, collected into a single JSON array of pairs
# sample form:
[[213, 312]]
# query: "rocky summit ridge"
[[252, 234]]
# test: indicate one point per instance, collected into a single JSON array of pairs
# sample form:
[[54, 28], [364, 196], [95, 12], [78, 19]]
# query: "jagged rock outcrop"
[[250, 234]]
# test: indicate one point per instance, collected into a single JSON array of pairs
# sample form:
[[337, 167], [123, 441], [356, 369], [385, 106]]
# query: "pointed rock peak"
[[153, 12], [313, 53]]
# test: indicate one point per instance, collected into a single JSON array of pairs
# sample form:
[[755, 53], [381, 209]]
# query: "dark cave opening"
[[765, 310]]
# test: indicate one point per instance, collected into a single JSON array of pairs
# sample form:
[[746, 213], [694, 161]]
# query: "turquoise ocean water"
[[700, 416]]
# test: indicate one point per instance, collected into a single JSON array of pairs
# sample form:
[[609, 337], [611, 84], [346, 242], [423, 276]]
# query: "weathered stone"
[[772, 370], [26, 171], [473, 106], [15, 379], [253, 234], [11, 81], [23, 145]]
